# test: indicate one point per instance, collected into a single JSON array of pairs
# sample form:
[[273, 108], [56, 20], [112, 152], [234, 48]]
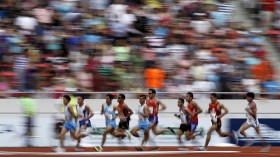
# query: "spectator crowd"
[[129, 45]]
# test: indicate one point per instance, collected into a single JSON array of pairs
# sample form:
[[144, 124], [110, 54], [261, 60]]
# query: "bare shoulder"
[[194, 103]]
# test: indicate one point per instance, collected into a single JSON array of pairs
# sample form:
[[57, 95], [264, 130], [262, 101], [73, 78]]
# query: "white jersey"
[[184, 117], [141, 113], [82, 112], [251, 120]]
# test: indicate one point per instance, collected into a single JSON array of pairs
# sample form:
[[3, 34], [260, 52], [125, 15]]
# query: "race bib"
[[151, 110], [214, 116]]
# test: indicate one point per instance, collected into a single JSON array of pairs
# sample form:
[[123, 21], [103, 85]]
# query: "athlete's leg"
[[266, 146], [146, 136], [61, 136], [80, 134], [179, 135], [244, 127], [134, 131], [189, 135], [249, 141], [208, 138], [109, 129], [224, 134], [156, 131]]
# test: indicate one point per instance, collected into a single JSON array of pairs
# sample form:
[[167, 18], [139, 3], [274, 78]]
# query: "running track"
[[131, 152]]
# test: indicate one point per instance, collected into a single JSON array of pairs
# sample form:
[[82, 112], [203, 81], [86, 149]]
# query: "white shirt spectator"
[[202, 27], [26, 23]]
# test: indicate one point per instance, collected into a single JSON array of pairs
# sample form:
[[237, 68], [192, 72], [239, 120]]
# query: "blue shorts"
[[69, 126], [83, 122], [153, 119], [193, 126], [111, 123], [143, 125]]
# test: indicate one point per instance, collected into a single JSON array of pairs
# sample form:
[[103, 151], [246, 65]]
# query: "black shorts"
[[185, 127], [218, 123], [124, 125]]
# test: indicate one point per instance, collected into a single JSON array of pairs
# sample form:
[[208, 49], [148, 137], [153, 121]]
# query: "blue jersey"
[[68, 117], [109, 112]]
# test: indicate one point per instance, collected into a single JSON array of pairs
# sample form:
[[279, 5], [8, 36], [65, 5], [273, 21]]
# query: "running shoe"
[[171, 130], [98, 148], [265, 149], [249, 142]]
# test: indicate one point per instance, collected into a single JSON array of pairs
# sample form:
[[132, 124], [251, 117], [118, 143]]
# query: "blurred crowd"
[[266, 15], [130, 45]]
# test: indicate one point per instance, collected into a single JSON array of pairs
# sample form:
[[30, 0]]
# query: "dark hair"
[[190, 94], [67, 97], [110, 96], [182, 100], [81, 96], [214, 95], [153, 91], [143, 96], [122, 96], [251, 95]]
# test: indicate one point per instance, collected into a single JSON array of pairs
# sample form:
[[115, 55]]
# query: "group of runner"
[[147, 112]]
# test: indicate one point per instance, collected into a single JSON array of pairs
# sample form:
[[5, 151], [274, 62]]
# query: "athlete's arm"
[[146, 111], [253, 110], [160, 106], [222, 107], [198, 109], [187, 111], [89, 111], [102, 109], [115, 108], [130, 112]]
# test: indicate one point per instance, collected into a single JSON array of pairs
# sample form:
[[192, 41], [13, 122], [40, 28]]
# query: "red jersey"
[[215, 112], [193, 110], [124, 111], [152, 105]]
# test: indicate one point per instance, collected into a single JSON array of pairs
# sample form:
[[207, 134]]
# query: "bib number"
[[151, 110]]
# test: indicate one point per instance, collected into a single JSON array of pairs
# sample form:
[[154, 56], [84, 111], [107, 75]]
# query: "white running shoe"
[[249, 142], [265, 149], [59, 149], [201, 149]]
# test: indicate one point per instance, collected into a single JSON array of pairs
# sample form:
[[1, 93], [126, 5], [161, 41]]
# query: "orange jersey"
[[152, 105], [124, 111], [193, 110]]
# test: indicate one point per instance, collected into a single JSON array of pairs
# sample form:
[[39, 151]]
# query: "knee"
[[133, 132], [188, 138]]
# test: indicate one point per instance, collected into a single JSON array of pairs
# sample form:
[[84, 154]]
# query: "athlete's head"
[[189, 96], [213, 97], [80, 99], [250, 96], [66, 99], [142, 99], [109, 98], [181, 102], [152, 93], [121, 98]]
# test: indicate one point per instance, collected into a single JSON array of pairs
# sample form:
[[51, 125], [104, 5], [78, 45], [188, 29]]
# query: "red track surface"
[[244, 152]]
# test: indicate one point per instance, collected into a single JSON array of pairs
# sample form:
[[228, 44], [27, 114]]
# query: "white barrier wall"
[[12, 128], [269, 108]]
